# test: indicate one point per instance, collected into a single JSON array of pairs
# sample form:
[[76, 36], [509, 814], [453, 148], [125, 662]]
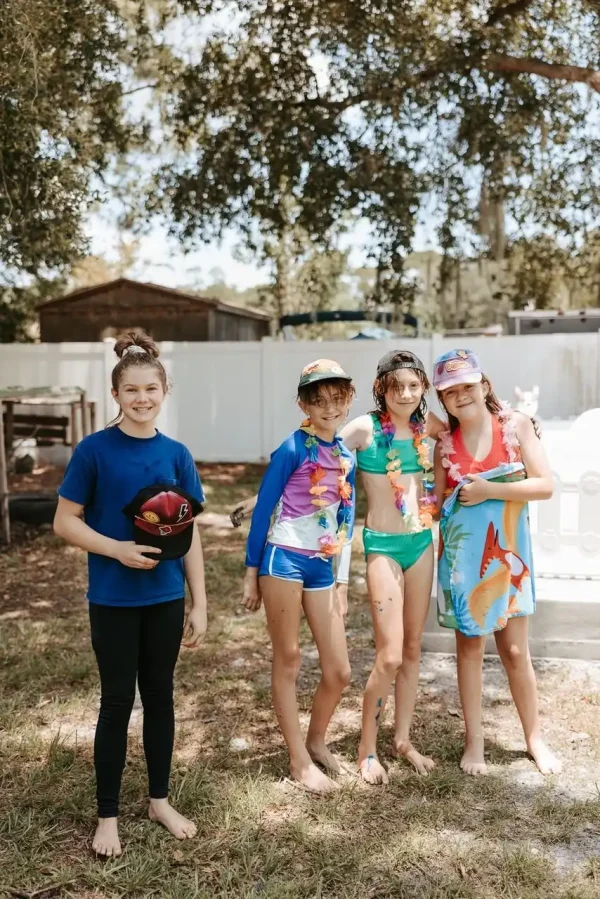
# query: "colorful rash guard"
[[298, 524]]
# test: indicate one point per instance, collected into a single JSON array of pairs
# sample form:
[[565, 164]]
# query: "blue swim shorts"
[[313, 573]]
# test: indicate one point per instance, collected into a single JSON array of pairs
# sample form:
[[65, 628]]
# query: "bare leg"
[[326, 621], [513, 649], [469, 660], [385, 582], [283, 604], [417, 596]]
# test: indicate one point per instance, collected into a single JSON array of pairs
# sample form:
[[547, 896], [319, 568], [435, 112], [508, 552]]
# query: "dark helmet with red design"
[[163, 516]]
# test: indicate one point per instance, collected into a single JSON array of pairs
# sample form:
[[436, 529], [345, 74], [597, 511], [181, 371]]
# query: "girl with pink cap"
[[488, 466]]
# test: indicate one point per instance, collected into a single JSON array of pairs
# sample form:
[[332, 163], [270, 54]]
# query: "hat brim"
[[315, 376], [455, 380], [172, 546]]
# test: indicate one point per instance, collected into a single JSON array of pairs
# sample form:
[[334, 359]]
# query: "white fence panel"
[[217, 401], [565, 366], [236, 401], [566, 528]]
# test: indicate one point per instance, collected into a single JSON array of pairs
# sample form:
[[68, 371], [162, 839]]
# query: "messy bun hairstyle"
[[136, 350]]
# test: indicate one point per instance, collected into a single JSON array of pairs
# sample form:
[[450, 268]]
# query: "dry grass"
[[442, 837]]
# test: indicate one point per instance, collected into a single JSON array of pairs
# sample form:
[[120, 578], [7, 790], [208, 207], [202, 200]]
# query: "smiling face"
[[140, 394], [401, 392], [326, 403], [465, 402]]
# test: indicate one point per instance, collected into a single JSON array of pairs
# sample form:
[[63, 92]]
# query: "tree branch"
[[141, 87], [499, 62], [509, 9]]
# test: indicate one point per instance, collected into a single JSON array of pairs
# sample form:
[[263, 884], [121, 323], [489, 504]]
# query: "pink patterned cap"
[[456, 367]]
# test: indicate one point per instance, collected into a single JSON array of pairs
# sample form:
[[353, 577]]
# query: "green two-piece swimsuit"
[[405, 549]]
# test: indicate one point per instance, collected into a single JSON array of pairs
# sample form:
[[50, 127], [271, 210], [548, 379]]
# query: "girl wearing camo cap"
[[488, 466], [397, 474], [308, 490]]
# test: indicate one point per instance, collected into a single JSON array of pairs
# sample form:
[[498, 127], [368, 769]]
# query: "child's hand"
[[242, 510], [342, 596], [130, 554], [195, 626], [476, 492], [251, 598]]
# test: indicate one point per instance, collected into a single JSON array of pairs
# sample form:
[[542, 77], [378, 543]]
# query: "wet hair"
[[390, 380], [309, 394], [145, 356]]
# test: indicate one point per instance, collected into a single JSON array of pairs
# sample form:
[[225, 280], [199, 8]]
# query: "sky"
[[163, 261]]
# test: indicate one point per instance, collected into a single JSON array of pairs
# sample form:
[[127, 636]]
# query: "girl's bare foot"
[[473, 760], [106, 839], [312, 779], [372, 771], [405, 749], [544, 758], [320, 754], [161, 811]]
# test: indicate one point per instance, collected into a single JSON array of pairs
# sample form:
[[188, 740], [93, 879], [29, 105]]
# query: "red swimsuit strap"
[[467, 464]]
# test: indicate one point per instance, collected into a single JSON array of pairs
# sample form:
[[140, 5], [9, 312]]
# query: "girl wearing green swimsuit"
[[396, 474]]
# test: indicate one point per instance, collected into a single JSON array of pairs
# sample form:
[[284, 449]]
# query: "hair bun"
[[136, 339]]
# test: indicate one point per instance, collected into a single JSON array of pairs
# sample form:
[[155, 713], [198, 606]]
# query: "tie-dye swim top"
[[298, 523]]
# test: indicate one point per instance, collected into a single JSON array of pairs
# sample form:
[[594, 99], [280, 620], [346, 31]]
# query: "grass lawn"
[[446, 836]]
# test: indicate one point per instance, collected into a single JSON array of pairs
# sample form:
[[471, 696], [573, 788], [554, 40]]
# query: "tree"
[[366, 107], [60, 120], [18, 307]]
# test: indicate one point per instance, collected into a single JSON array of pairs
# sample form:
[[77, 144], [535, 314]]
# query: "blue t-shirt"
[[106, 471]]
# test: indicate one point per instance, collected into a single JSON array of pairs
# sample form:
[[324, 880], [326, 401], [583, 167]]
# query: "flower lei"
[[330, 546], [508, 424], [428, 501]]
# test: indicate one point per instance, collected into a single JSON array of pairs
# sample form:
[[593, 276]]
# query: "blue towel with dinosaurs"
[[485, 564]]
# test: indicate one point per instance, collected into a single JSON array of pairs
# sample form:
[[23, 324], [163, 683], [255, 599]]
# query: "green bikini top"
[[373, 459]]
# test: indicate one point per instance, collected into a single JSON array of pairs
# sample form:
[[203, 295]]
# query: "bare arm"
[[242, 509], [441, 480], [193, 563], [69, 525], [358, 433], [435, 425], [539, 484]]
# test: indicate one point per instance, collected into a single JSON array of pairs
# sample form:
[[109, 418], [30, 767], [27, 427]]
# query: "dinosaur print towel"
[[485, 566]]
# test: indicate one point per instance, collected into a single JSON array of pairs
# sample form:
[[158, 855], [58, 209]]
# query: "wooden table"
[[75, 397]]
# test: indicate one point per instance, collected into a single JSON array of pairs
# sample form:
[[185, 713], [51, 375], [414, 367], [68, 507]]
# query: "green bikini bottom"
[[404, 549]]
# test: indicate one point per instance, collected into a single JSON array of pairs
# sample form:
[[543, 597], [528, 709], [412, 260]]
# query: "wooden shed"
[[105, 310]]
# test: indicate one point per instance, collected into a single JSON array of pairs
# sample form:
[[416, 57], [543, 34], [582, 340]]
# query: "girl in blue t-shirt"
[[136, 601]]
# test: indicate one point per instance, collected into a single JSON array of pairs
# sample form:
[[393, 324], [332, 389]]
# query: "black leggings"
[[130, 642]]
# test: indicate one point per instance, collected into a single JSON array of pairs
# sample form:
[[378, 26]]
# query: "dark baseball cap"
[[396, 359], [163, 516]]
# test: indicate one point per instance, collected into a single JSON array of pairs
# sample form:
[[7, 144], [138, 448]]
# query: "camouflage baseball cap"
[[322, 370]]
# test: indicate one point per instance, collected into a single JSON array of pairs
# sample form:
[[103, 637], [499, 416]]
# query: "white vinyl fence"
[[233, 402]]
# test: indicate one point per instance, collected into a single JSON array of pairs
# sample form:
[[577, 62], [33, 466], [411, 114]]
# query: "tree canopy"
[[289, 121], [367, 108], [61, 118]]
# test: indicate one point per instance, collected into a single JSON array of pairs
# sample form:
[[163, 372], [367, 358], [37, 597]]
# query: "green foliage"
[[364, 108], [60, 118], [18, 307]]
